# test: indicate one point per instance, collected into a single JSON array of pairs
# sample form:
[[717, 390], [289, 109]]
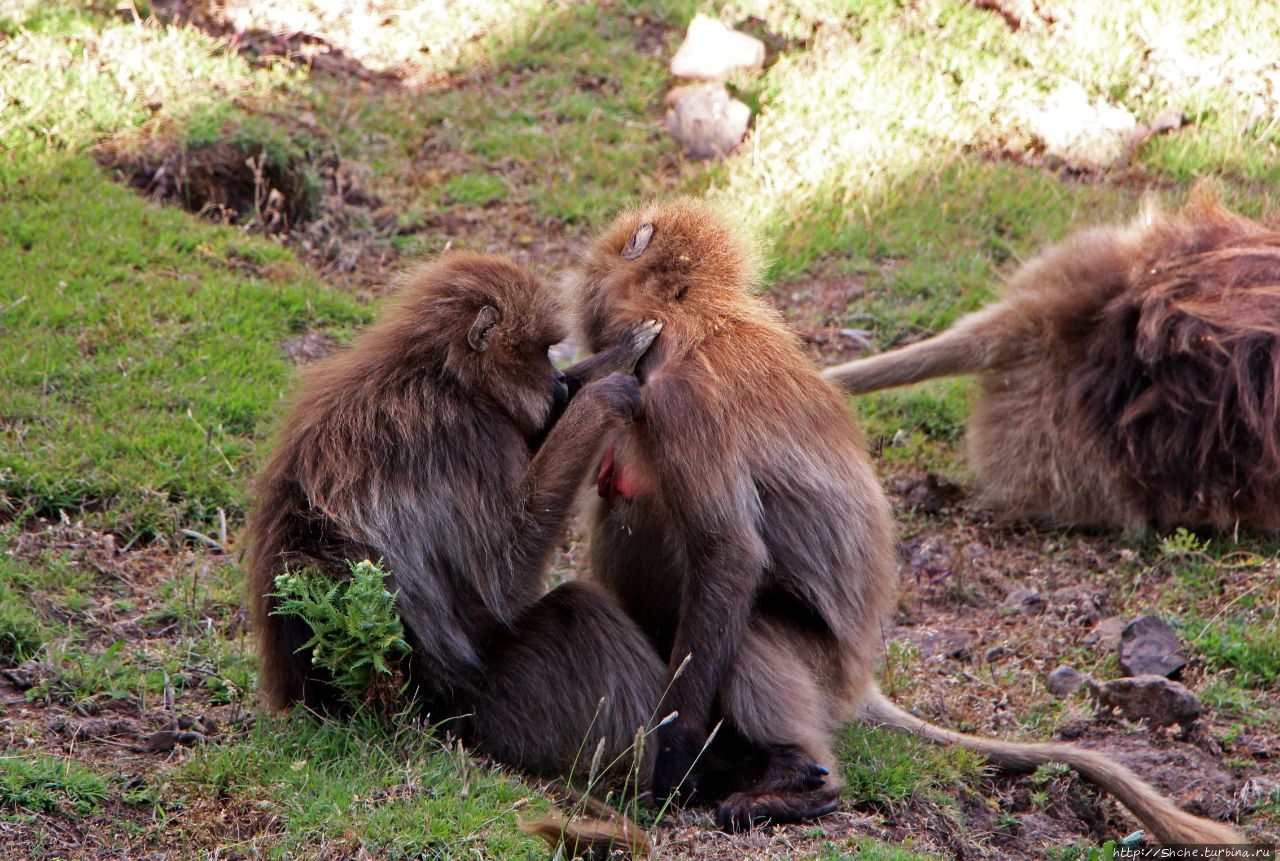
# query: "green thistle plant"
[[357, 636]]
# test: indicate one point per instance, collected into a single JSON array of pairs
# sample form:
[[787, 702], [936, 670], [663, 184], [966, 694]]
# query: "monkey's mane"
[[1182, 368]]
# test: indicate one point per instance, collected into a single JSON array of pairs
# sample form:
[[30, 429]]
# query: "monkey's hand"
[[675, 773], [635, 341], [618, 393], [623, 356]]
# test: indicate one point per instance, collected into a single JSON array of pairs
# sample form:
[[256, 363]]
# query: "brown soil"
[[978, 664]]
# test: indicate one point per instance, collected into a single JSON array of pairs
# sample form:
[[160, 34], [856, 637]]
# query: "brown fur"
[[741, 524], [747, 528], [416, 446], [1130, 376]]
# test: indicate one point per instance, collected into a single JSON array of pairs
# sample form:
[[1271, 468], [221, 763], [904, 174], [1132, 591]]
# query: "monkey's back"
[[824, 519], [1140, 383]]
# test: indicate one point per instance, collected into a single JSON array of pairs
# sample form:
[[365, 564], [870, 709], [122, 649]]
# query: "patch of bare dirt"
[[119, 733], [816, 308]]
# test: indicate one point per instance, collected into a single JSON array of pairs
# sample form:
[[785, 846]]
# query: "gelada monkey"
[[1129, 376], [424, 444], [739, 521]]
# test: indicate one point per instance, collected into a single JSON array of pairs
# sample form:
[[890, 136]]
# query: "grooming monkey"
[[740, 522], [416, 446], [1130, 376]]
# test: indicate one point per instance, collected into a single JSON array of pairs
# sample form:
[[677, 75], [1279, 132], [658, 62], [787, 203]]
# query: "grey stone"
[[1026, 601], [1064, 681], [1081, 605], [1153, 700], [1106, 634], [706, 121], [1148, 646]]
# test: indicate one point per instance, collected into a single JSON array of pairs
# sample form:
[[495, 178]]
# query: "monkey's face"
[[510, 342], [679, 263], [497, 322]]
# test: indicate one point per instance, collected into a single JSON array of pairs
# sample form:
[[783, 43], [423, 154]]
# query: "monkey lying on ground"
[[414, 446], [741, 524], [1130, 376]]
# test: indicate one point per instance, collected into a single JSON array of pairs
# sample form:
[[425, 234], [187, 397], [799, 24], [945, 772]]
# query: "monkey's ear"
[[478, 337], [638, 242]]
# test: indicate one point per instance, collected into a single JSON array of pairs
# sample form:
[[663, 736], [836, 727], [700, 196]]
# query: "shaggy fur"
[[415, 446], [740, 522], [1130, 376]]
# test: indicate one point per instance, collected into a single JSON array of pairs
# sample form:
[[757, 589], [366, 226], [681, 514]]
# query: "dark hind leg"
[[775, 702], [573, 671]]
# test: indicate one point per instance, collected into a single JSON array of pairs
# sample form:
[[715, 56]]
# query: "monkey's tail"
[[603, 838], [604, 832], [1166, 821], [966, 348]]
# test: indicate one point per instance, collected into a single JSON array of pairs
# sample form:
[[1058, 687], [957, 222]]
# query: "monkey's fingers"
[[742, 810], [814, 777], [791, 770], [638, 337]]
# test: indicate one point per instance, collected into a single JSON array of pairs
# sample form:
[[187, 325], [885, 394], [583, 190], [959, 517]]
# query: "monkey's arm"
[[632, 344], [717, 511], [571, 449]]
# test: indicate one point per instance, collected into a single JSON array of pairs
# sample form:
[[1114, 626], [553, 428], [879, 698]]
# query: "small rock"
[[98, 728], [1106, 634], [1151, 699], [1079, 604], [24, 676], [933, 493], [1084, 134], [1027, 601], [711, 51], [706, 121], [1064, 681], [954, 645], [932, 555], [1148, 646], [165, 740], [860, 339]]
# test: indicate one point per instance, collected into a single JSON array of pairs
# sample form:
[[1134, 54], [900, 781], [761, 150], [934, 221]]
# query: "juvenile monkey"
[[739, 521], [1130, 376], [424, 444]]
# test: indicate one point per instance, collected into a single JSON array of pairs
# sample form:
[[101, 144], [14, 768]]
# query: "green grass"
[[141, 350], [1250, 650], [72, 74], [341, 788], [45, 783], [864, 849], [20, 627], [883, 767]]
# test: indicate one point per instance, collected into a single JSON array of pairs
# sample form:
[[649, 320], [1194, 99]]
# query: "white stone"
[[711, 51]]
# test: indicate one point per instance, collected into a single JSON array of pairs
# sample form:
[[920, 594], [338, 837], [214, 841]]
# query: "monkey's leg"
[[773, 698], [574, 670]]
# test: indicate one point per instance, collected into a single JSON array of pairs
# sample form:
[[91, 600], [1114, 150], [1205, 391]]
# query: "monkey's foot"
[[742, 810], [789, 769]]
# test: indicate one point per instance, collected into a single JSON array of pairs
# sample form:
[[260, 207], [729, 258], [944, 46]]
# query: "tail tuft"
[[596, 839]]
